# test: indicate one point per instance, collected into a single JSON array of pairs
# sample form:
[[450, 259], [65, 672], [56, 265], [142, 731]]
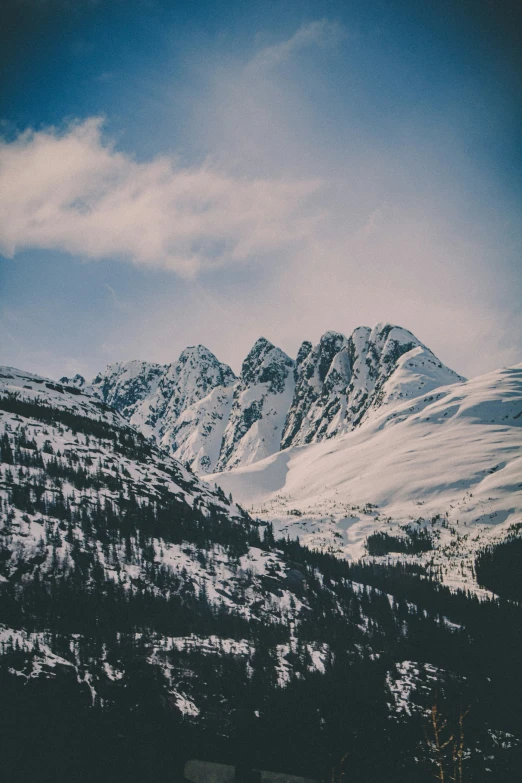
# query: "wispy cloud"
[[119, 303], [322, 33], [72, 191]]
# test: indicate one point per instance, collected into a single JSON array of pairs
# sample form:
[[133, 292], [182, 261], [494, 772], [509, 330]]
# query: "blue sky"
[[174, 173]]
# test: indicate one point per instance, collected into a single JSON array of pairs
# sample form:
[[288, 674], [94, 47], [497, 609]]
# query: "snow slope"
[[451, 458], [30, 408], [197, 435]]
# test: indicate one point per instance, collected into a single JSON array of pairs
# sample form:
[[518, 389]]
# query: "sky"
[[175, 173]]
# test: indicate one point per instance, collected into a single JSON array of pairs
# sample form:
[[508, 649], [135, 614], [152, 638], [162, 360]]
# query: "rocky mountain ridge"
[[214, 421]]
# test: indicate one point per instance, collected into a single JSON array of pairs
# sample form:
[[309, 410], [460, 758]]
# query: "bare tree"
[[446, 745], [338, 770]]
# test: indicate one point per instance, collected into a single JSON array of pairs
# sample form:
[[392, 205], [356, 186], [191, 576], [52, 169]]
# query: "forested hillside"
[[145, 618]]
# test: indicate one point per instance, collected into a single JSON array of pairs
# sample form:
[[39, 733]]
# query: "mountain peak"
[[261, 399], [330, 336], [340, 381], [260, 366], [196, 351], [260, 348], [303, 352], [384, 331], [262, 342]]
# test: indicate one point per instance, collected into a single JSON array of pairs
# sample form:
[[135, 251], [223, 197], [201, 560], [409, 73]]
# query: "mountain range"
[[357, 433], [212, 420], [143, 612]]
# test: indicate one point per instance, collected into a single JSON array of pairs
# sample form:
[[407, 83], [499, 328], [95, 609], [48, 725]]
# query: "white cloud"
[[345, 229], [72, 191]]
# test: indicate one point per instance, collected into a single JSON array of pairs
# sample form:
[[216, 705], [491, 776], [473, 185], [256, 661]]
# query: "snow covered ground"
[[449, 461]]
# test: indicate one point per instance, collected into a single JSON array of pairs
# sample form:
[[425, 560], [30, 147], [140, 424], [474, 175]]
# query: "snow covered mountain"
[[388, 428], [261, 400], [140, 608], [448, 461], [213, 421], [342, 382], [162, 401]]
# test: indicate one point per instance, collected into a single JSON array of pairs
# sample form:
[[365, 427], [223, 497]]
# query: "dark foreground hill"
[[146, 618]]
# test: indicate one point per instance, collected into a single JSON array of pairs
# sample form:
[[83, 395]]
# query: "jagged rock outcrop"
[[78, 381], [321, 375], [130, 388], [189, 380], [261, 400], [342, 381]]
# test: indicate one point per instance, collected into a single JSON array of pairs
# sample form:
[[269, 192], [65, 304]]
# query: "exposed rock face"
[[187, 381], [211, 420], [341, 382], [129, 388], [78, 381], [260, 403], [321, 375]]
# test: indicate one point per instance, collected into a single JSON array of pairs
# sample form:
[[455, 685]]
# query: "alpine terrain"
[[445, 466], [213, 421], [147, 618]]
